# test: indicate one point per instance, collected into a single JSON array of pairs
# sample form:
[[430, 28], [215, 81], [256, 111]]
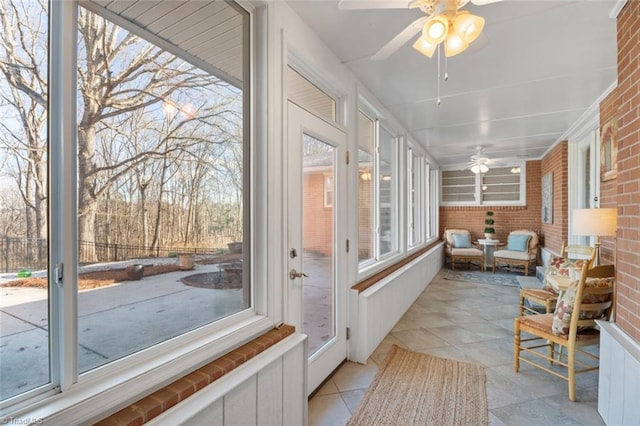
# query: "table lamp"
[[595, 223]]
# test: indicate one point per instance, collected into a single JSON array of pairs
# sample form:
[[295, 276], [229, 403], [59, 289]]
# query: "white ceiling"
[[535, 70]]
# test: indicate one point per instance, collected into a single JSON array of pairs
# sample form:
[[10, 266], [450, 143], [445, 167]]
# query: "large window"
[[366, 224], [24, 197], [378, 190], [417, 195], [142, 237], [500, 185]]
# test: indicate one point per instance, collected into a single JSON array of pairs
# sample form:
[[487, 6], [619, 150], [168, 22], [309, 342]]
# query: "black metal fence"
[[23, 253]]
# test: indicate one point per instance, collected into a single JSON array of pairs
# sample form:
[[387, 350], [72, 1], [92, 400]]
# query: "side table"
[[488, 247]]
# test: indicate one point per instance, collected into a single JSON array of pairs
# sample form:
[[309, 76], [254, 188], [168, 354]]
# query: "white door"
[[316, 252]]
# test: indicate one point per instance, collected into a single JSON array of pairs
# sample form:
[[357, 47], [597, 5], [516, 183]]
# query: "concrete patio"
[[123, 318]]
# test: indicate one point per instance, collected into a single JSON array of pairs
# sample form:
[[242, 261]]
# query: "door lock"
[[293, 274]]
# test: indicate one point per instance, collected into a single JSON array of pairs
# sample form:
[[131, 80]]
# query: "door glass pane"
[[318, 224], [161, 197], [387, 172], [24, 314], [366, 224]]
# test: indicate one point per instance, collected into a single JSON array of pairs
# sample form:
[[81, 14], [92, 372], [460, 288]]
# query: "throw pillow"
[[566, 302], [518, 242], [561, 266], [461, 241]]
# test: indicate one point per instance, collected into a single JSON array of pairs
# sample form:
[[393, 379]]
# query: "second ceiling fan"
[[443, 23]]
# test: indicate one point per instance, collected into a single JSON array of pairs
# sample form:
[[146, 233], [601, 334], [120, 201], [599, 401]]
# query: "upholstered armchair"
[[521, 250], [459, 248]]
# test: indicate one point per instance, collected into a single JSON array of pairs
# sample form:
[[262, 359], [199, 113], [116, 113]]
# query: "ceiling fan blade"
[[483, 2], [398, 41], [372, 4]]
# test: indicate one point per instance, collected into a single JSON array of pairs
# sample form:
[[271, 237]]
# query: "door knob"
[[293, 274]]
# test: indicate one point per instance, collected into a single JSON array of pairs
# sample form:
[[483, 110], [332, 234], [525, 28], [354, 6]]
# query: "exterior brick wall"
[[609, 189], [556, 162], [318, 219], [507, 218], [625, 103]]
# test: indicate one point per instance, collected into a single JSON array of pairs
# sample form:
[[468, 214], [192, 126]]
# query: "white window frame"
[[421, 171], [379, 261], [73, 398], [522, 201], [328, 190]]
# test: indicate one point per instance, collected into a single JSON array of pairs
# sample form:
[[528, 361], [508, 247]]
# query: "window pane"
[[501, 184], [365, 187], [387, 172], [310, 97], [318, 254], [458, 185], [24, 319], [415, 197], [161, 151]]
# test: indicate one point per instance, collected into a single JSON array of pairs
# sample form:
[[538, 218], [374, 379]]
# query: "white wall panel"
[[619, 377], [211, 415], [270, 394], [268, 389], [240, 404], [294, 392], [381, 306]]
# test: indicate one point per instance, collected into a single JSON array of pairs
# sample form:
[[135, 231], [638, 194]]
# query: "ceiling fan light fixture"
[[468, 26], [436, 29], [479, 168], [424, 47], [454, 44]]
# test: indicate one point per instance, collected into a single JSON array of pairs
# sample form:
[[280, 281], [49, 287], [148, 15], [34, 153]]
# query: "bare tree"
[[23, 98], [144, 116]]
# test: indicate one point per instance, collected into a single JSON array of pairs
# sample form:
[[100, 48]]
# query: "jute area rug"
[[411, 388]]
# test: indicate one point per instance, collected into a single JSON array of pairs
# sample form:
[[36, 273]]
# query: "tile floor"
[[473, 323]]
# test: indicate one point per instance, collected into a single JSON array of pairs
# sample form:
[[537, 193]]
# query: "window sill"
[[115, 386]]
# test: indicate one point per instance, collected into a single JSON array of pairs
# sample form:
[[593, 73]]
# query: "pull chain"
[[438, 101], [446, 68]]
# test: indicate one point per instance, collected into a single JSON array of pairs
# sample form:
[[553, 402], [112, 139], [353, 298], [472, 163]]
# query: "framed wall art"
[[609, 150]]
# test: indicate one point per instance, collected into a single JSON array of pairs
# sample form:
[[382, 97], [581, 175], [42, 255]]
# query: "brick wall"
[[508, 218], [556, 162], [318, 219], [625, 103], [609, 189]]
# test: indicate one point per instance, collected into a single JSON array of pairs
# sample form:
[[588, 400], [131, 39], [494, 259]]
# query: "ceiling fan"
[[479, 162], [443, 23]]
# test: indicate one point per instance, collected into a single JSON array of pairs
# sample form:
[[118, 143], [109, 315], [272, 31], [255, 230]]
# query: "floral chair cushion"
[[566, 302]]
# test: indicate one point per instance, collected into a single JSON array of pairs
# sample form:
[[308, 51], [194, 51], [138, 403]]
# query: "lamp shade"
[[479, 168], [454, 44], [424, 47], [468, 26], [595, 222], [435, 30]]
